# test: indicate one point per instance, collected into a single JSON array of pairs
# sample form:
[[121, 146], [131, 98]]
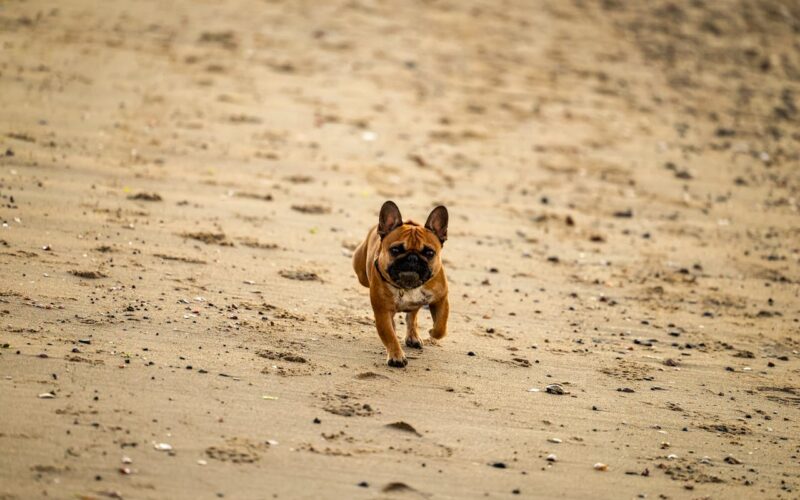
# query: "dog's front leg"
[[384, 322]]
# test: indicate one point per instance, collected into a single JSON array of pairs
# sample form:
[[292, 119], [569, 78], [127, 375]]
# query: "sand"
[[183, 183]]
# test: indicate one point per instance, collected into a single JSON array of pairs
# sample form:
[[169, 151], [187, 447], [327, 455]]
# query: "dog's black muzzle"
[[410, 271]]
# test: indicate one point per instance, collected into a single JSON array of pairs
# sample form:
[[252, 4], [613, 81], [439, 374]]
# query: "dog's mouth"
[[409, 273], [408, 279]]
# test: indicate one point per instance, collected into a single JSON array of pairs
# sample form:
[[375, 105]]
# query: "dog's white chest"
[[411, 299]]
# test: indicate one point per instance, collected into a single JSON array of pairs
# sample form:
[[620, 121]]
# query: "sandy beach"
[[182, 186]]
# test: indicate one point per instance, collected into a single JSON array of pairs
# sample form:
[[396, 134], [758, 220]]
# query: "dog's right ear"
[[389, 219]]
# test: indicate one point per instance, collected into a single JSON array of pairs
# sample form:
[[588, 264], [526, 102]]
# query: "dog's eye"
[[428, 252], [397, 250]]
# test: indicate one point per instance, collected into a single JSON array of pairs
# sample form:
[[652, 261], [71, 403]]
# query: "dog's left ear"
[[437, 222]]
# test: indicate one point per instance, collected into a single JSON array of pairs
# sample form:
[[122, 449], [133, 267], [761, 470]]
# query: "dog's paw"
[[414, 342], [397, 361]]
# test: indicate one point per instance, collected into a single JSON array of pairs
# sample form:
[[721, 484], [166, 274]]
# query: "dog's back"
[[360, 259]]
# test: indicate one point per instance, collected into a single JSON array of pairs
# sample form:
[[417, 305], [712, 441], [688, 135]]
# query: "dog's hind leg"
[[439, 312], [412, 334]]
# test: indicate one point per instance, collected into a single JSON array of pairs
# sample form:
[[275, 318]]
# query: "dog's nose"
[[413, 258]]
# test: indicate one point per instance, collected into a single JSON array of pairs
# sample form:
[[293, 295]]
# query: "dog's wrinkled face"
[[410, 253]]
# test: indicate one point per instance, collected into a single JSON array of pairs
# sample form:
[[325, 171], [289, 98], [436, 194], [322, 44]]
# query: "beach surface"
[[182, 185]]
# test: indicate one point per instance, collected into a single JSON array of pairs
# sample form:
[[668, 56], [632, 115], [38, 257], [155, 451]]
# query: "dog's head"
[[410, 253]]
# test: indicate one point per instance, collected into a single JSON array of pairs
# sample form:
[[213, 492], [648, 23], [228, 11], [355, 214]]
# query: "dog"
[[400, 262]]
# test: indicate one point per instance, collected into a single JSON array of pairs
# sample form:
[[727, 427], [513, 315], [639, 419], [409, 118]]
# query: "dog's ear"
[[389, 219], [437, 222]]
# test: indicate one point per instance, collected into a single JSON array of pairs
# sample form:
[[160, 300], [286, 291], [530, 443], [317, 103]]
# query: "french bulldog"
[[400, 262]]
